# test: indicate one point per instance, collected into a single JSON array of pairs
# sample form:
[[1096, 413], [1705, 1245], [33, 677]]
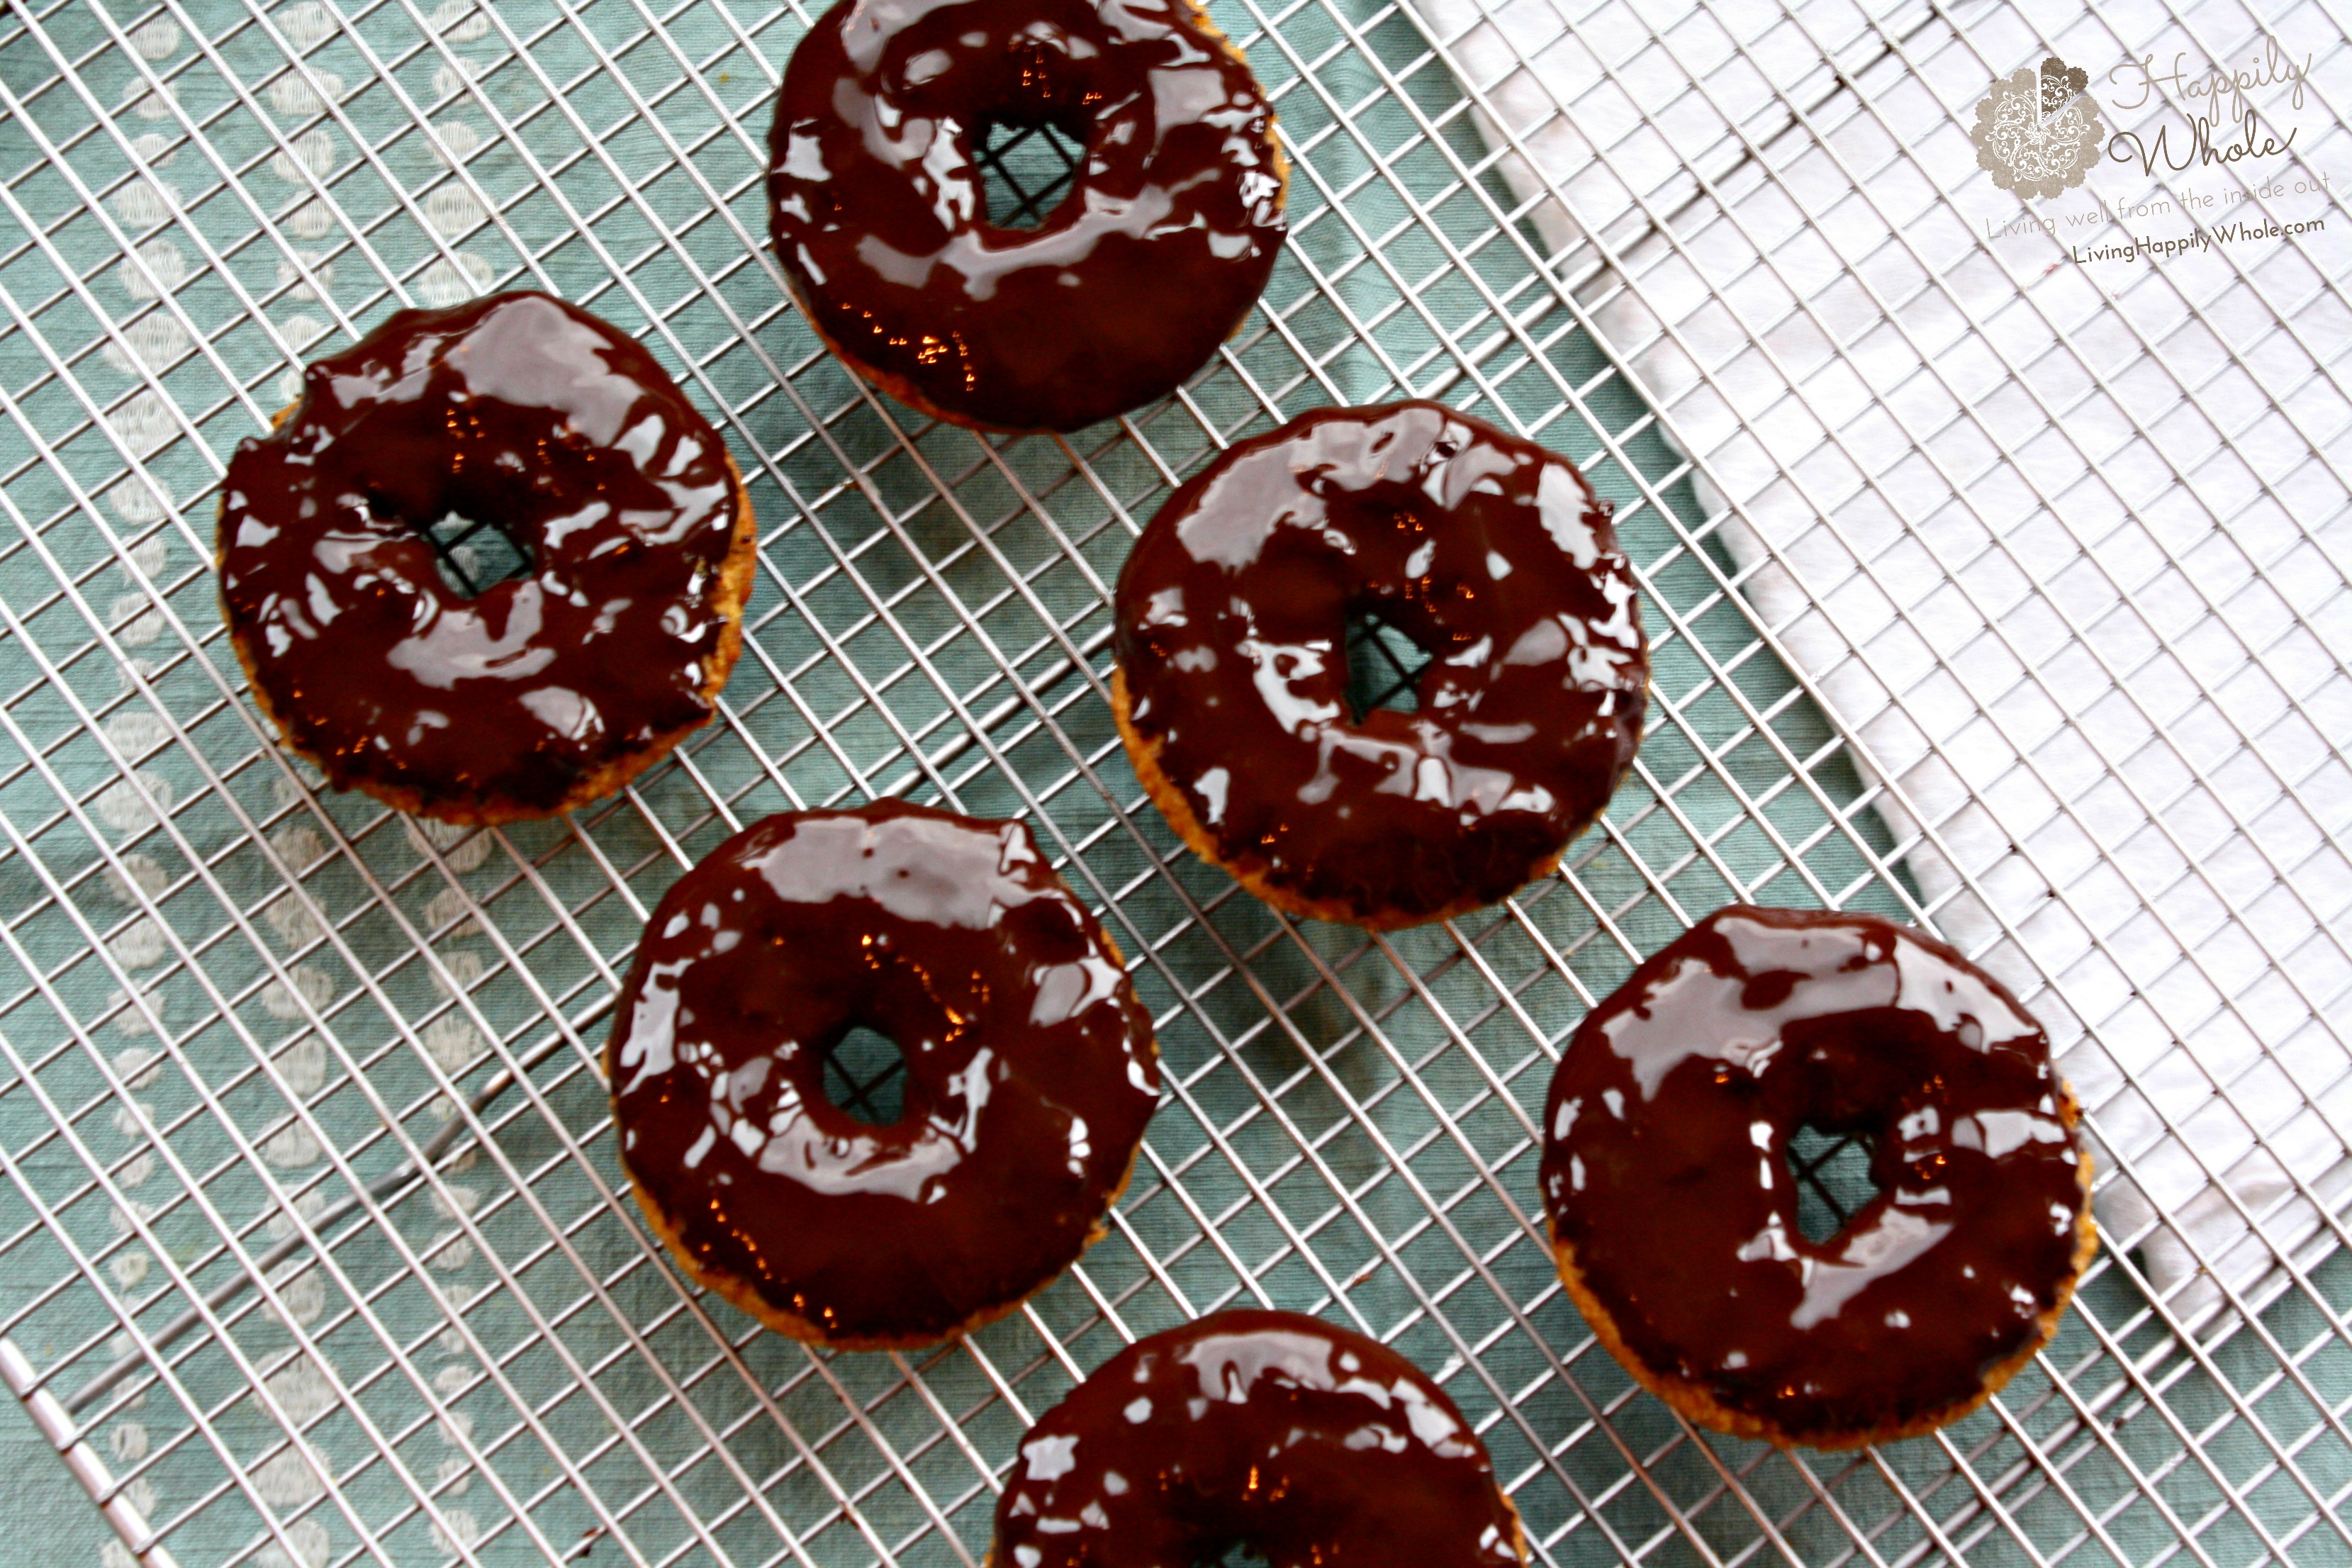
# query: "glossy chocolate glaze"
[[1030, 1068], [1665, 1169], [516, 410], [1167, 238], [1490, 553], [1312, 1446]]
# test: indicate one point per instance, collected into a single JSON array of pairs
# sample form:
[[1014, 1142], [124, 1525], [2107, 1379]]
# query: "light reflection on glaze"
[[1030, 1067], [1490, 553], [1665, 1168], [1168, 236], [1303, 1442], [527, 413]]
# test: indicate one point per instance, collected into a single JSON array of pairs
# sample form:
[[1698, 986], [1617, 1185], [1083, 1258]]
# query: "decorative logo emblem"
[[2039, 134]]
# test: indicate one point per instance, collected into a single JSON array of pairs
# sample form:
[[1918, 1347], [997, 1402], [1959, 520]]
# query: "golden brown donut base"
[[1144, 756], [728, 596], [1699, 1405], [904, 391], [740, 1295]]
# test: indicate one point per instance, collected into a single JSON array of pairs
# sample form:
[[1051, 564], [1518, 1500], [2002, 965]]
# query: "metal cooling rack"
[[313, 1249]]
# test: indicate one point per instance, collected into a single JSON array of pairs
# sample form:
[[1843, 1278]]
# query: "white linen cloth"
[[2064, 544]]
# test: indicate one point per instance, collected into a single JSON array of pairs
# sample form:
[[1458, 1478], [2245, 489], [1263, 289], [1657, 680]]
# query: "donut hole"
[[865, 1076], [474, 557], [1384, 666], [1026, 169], [1240, 1554], [1832, 1170]]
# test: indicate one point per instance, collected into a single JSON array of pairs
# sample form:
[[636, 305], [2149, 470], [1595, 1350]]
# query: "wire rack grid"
[[313, 1248]]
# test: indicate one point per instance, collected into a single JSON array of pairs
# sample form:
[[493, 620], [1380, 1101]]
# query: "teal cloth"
[[556, 139]]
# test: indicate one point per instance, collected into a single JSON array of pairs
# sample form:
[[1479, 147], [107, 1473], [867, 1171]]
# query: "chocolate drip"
[[527, 413], [1489, 553], [1167, 238], [1302, 1442], [1665, 1171], [1030, 1068]]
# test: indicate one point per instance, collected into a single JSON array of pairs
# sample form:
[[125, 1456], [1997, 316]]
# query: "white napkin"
[[2058, 540]]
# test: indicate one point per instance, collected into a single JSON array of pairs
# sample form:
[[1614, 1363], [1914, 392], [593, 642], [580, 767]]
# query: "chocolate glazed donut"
[[1030, 1073], [1303, 1443], [1167, 236], [1674, 1215], [539, 694], [1489, 553]]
